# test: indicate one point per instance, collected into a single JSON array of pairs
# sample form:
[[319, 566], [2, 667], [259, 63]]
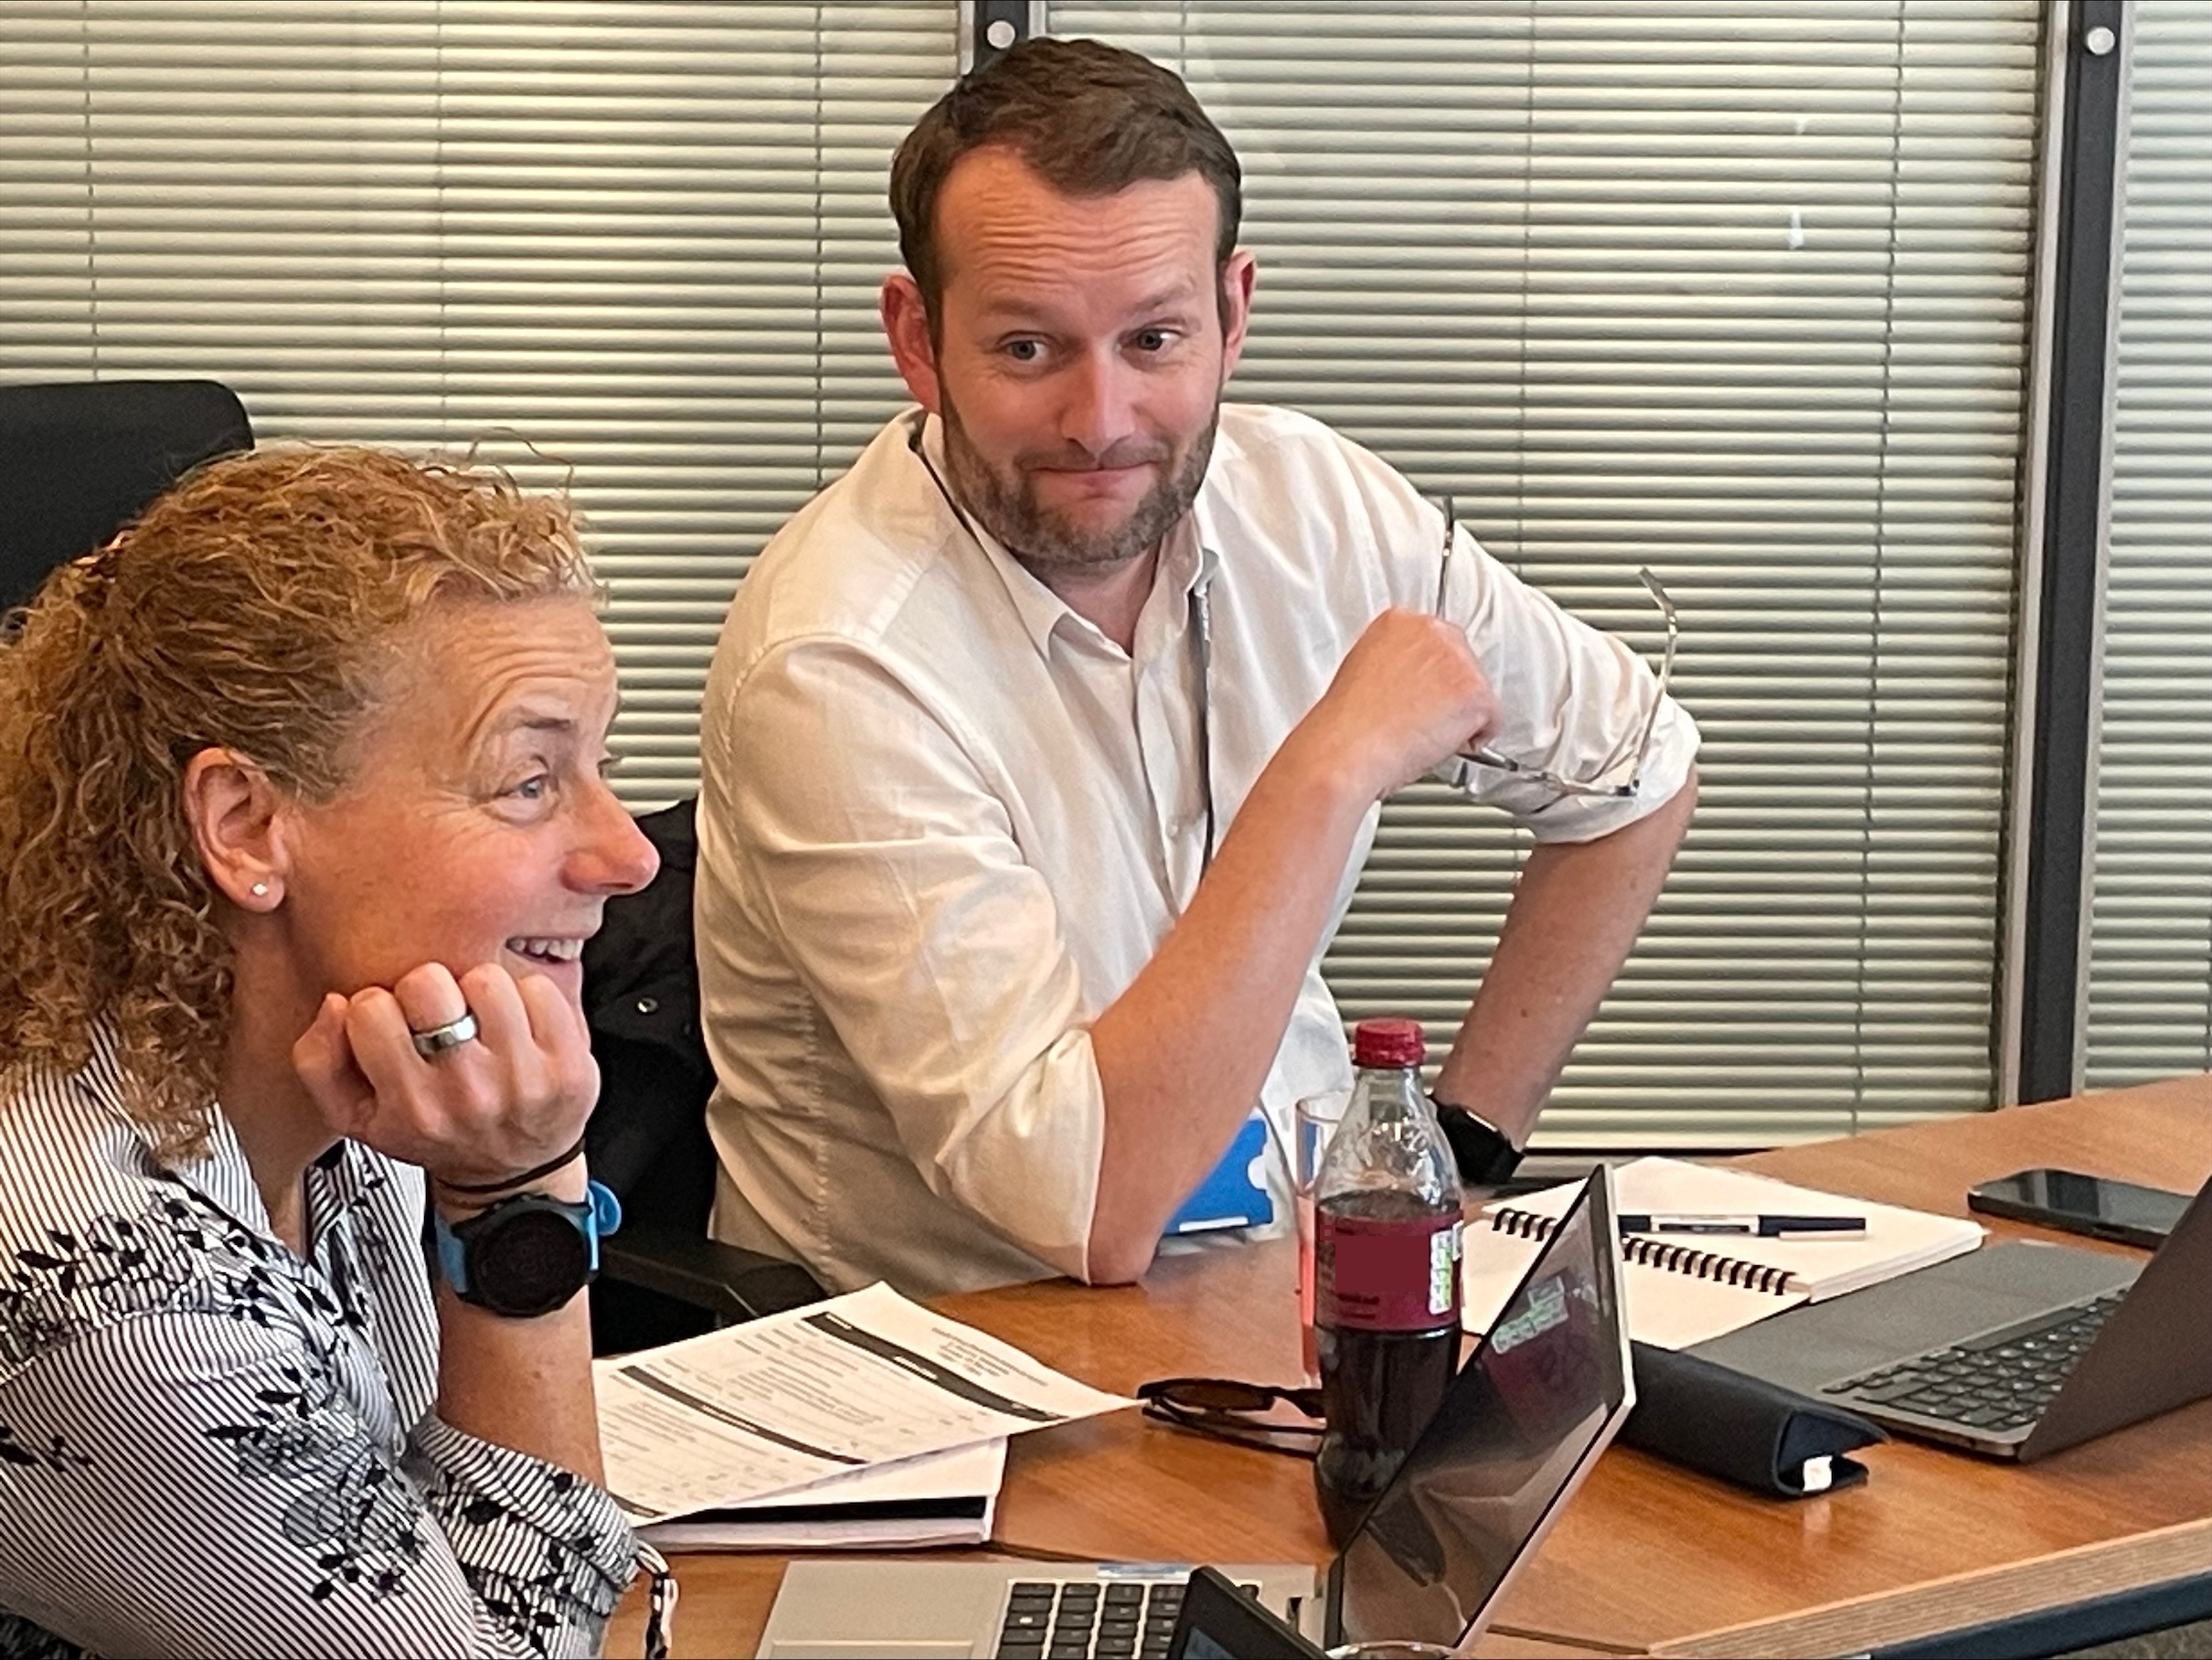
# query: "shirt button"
[[645, 1005]]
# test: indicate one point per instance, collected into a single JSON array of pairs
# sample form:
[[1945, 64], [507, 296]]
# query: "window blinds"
[[638, 240], [1737, 290], [2150, 963]]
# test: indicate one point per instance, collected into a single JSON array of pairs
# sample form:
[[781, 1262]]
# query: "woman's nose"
[[615, 856]]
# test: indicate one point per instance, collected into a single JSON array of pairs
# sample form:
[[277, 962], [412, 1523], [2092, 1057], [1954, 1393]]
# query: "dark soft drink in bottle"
[[1386, 1273]]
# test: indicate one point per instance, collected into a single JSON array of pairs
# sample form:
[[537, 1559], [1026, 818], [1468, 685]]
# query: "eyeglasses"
[[1596, 785], [1226, 1410]]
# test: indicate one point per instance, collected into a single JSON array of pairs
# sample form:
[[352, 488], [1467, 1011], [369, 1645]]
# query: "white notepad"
[[1682, 1290]]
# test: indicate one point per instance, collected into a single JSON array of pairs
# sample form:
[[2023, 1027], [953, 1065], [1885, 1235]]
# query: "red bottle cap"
[[1388, 1043]]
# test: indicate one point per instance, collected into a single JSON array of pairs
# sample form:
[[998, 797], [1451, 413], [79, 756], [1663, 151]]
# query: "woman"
[[302, 826]]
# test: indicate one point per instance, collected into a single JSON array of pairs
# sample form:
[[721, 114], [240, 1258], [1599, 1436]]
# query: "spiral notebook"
[[1683, 1290]]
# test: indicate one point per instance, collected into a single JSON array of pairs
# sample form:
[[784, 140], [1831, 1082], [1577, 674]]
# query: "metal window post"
[[2068, 520]]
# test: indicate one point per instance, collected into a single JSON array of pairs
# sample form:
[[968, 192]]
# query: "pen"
[[1765, 1226]]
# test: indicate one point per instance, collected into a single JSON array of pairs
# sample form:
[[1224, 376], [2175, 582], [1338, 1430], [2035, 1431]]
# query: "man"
[[1042, 750]]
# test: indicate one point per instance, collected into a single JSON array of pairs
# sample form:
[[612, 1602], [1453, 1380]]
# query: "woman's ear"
[[237, 818]]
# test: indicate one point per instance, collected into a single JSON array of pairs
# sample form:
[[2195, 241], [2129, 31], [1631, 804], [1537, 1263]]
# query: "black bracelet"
[[547, 1168], [1484, 1157]]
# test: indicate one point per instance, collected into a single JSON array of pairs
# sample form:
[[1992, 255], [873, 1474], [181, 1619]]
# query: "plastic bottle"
[[1386, 1285]]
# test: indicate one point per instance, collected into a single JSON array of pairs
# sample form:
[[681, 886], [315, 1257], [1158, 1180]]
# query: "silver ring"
[[433, 1043]]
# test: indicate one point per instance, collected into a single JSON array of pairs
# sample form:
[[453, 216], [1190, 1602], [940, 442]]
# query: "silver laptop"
[[2014, 1351], [1541, 1396]]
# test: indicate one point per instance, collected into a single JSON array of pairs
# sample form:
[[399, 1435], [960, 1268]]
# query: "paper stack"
[[866, 1399]]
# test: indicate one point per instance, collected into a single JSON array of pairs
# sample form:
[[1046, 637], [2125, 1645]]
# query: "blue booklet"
[[1234, 1194]]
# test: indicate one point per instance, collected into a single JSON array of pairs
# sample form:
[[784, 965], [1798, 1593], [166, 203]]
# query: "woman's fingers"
[[559, 1028], [324, 1058], [430, 997], [514, 1095]]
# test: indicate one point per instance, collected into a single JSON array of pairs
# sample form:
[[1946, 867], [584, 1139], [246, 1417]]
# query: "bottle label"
[[1399, 1275]]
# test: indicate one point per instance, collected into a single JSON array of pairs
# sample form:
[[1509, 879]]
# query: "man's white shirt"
[[945, 822]]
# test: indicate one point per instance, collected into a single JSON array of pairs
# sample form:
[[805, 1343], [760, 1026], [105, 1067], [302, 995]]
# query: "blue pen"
[[1765, 1226]]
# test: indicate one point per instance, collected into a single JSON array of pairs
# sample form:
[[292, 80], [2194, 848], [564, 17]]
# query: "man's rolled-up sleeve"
[[889, 866], [1572, 700]]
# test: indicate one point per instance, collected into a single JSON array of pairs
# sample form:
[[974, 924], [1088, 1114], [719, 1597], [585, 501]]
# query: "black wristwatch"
[[1484, 1157], [528, 1255]]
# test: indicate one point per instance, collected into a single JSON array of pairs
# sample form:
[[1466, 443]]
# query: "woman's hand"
[[482, 1111]]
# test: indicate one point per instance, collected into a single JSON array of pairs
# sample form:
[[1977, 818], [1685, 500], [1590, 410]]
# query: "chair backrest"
[[663, 1278], [647, 1139], [77, 462]]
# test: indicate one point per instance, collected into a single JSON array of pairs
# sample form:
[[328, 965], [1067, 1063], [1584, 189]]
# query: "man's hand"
[[514, 1097], [1409, 694]]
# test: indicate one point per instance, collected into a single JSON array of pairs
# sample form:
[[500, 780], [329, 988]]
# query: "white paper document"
[[940, 1498], [815, 1392]]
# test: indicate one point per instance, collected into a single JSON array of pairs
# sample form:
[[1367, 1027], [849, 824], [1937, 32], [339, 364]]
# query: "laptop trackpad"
[[868, 1648], [1821, 1343]]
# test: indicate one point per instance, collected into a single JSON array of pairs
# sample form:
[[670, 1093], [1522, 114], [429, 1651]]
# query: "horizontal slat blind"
[[641, 240], [2150, 973], [1737, 290]]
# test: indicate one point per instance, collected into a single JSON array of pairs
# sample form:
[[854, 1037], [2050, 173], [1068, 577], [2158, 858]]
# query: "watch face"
[[530, 1264]]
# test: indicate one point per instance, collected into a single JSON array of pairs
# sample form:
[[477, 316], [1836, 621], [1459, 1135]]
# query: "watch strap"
[[598, 1214], [1484, 1157]]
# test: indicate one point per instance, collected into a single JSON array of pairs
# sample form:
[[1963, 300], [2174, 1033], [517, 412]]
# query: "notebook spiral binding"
[[1658, 1253]]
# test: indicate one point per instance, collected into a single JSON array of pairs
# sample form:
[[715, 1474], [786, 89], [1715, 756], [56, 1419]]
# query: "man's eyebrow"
[[531, 720], [1015, 308]]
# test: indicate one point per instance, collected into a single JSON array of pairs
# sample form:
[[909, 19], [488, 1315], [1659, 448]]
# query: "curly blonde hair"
[[252, 608]]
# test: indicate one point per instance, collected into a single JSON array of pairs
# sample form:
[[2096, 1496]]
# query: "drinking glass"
[[1315, 1122]]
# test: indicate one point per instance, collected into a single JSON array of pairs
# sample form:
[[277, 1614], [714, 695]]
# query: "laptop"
[[2012, 1351], [1537, 1401]]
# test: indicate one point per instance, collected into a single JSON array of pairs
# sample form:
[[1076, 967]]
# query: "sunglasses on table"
[[1226, 1410]]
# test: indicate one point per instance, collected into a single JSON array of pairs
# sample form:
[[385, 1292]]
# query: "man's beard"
[[1045, 541]]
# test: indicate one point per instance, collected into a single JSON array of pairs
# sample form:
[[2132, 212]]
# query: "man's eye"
[[532, 789], [1152, 339], [1025, 351]]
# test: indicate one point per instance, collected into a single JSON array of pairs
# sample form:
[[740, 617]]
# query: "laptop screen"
[[1528, 1414]]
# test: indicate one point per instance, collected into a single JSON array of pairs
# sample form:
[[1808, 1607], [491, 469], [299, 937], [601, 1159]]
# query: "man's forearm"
[[1575, 914], [1182, 1053]]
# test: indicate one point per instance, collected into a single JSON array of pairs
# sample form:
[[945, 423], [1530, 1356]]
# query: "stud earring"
[[261, 890]]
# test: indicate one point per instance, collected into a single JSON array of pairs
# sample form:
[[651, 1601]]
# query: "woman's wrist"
[[569, 1183]]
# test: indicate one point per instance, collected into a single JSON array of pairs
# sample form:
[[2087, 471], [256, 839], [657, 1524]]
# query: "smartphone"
[[2095, 1205], [1218, 1621]]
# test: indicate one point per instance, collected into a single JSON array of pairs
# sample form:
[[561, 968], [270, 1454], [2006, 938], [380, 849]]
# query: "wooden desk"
[[1648, 1558]]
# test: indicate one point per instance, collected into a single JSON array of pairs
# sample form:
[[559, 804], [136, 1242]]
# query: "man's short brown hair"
[[1088, 117]]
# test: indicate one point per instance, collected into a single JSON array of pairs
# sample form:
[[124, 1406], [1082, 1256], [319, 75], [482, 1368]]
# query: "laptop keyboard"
[[2001, 1381], [1075, 1619]]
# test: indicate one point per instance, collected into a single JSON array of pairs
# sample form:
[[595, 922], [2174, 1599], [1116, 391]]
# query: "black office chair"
[[77, 462], [661, 1278]]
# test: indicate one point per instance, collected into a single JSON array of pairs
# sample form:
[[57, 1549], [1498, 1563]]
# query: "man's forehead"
[[996, 216]]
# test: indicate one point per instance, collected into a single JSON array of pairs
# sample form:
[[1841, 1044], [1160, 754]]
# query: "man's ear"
[[1238, 277], [239, 821], [906, 325]]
